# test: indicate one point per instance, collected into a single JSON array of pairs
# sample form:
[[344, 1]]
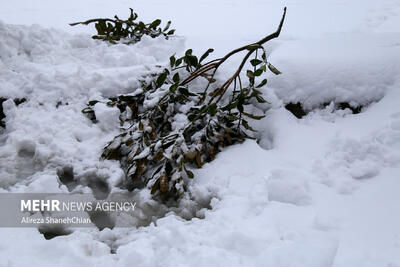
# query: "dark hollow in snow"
[[60, 103], [99, 186], [17, 102], [345, 105], [299, 112], [296, 109], [101, 219], [51, 231], [27, 149], [145, 212], [66, 176], [2, 115]]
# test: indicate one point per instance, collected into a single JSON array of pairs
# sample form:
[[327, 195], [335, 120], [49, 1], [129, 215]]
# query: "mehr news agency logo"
[[55, 205]]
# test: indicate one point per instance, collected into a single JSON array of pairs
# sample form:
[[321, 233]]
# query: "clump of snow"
[[81, 250], [58, 74], [108, 117], [41, 62]]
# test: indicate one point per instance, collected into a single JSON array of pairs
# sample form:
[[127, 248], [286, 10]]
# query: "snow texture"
[[318, 191]]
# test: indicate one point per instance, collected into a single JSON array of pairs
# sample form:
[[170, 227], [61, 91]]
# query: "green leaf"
[[203, 108], [87, 110], [264, 82], [250, 74], [255, 117], [110, 103], [173, 87], [172, 60], [273, 69], [141, 25], [176, 78], [247, 126], [232, 118], [155, 23], [178, 62], [189, 173], [192, 117], [133, 16], [192, 60], [109, 26], [212, 109], [167, 26], [184, 91], [171, 32], [161, 79], [240, 102], [231, 105], [103, 25], [206, 54], [264, 56], [260, 99], [93, 102], [188, 52], [99, 29], [157, 170], [211, 80], [258, 72], [255, 62]]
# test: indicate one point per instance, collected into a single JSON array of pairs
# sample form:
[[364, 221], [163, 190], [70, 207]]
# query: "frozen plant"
[[128, 31], [172, 124]]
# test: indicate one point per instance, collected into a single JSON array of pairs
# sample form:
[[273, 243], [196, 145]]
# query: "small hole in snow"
[[26, 149], [66, 176], [296, 109], [299, 112], [49, 232]]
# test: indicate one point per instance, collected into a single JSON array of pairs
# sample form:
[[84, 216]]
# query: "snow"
[[317, 191], [354, 68], [288, 187], [108, 117]]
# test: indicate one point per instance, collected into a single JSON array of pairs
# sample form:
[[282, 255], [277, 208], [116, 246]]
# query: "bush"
[[174, 126]]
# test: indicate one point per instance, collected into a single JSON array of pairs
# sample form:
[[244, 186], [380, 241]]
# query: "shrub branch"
[[167, 128]]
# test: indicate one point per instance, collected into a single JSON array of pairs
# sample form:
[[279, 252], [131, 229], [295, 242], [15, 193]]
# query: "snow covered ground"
[[318, 191]]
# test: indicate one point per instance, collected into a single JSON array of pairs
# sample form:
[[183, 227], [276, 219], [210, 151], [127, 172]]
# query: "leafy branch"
[[169, 127], [215, 64], [113, 30]]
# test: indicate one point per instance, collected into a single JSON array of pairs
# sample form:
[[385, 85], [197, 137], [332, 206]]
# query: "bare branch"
[[95, 20]]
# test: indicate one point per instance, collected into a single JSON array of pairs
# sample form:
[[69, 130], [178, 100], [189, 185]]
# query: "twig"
[[215, 64]]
